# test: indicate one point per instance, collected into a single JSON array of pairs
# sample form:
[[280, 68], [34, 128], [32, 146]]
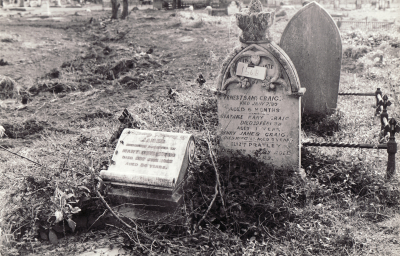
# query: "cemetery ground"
[[70, 78]]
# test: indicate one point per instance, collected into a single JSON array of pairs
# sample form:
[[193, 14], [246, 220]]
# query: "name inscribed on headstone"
[[150, 158], [259, 122], [259, 96]]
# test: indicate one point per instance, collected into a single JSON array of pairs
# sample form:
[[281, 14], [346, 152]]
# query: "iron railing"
[[368, 25], [389, 127]]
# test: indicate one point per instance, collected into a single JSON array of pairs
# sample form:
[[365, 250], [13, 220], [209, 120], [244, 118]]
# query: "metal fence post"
[[392, 149], [377, 92], [384, 115]]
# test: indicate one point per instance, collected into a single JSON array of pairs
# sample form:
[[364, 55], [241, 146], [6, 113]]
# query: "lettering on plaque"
[[259, 113], [146, 157]]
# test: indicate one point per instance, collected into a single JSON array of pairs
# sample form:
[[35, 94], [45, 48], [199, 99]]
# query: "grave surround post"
[[392, 149], [384, 115], [259, 95]]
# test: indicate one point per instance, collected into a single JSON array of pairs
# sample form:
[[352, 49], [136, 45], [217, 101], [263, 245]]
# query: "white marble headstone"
[[150, 158]]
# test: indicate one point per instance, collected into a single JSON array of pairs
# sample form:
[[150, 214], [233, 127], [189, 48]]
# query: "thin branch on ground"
[[209, 207], [30, 160], [97, 219], [120, 229], [217, 182], [3, 148], [213, 161]]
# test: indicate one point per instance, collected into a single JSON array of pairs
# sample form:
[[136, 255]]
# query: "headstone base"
[[146, 204], [143, 197], [137, 213]]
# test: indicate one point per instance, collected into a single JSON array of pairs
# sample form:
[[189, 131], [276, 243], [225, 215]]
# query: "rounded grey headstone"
[[312, 41]]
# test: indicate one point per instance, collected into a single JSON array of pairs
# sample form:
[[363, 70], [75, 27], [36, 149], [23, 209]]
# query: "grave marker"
[[259, 96], [312, 41], [233, 8], [148, 169]]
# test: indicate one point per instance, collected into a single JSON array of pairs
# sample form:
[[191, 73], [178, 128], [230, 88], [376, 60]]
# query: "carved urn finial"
[[254, 23]]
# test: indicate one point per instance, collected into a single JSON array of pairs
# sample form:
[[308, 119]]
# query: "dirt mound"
[[54, 73], [58, 87], [131, 82], [96, 113], [3, 62], [8, 88], [24, 129], [122, 66]]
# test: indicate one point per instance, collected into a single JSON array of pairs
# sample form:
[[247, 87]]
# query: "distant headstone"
[[158, 4], [336, 4], [233, 8], [219, 11], [259, 96], [148, 168], [312, 41], [48, 7], [358, 4], [34, 3], [381, 4]]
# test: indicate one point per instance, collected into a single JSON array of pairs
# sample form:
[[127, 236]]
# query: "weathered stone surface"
[[148, 168], [259, 96], [312, 41], [260, 115], [254, 23], [151, 158]]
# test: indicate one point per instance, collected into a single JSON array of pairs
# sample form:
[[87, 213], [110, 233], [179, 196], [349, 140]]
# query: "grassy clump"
[[8, 88], [322, 125], [298, 213]]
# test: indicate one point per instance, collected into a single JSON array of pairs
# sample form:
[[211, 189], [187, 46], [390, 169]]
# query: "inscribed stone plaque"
[[259, 96], [155, 160], [312, 41]]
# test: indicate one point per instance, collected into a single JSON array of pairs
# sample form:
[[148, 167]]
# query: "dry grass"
[[339, 204]]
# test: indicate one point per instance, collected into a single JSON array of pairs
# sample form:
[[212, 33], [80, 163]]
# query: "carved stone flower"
[[254, 23], [267, 84], [244, 82]]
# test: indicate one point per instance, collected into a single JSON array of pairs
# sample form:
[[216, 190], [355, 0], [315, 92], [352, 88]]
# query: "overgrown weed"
[[322, 125]]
